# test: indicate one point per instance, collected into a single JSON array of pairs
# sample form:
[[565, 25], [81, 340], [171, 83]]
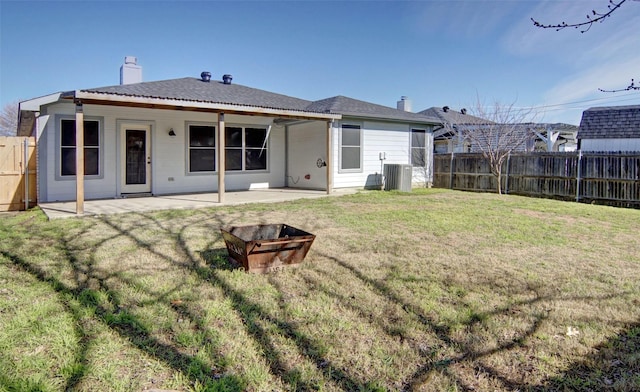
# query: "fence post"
[[25, 145], [506, 180], [578, 174], [451, 172]]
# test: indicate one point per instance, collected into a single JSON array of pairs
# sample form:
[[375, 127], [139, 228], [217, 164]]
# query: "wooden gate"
[[17, 178]]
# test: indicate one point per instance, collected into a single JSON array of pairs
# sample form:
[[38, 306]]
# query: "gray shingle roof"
[[610, 122], [352, 107], [453, 117], [196, 90]]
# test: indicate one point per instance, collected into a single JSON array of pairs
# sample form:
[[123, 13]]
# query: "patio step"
[[135, 195]]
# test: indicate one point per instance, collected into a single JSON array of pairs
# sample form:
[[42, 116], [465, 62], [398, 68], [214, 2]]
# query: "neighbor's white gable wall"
[[610, 145], [168, 154]]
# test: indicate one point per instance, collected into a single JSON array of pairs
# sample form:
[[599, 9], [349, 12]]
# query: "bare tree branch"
[[9, 119], [506, 130], [632, 86], [591, 19]]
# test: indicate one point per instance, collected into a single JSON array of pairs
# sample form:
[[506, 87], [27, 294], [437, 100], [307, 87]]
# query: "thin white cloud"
[[526, 39], [462, 19], [622, 41], [611, 75]]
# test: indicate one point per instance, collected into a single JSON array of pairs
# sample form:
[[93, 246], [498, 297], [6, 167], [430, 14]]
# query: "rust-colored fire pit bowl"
[[265, 248]]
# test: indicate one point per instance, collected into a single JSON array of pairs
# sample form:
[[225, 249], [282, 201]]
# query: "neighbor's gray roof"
[[352, 107], [610, 122], [453, 117], [196, 90]]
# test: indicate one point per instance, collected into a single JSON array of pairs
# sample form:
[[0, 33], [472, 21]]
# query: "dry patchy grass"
[[433, 290]]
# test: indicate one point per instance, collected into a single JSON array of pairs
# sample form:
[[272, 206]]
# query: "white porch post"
[[79, 159], [329, 158], [221, 158]]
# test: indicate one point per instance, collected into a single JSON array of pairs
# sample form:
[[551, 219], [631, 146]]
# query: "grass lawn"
[[435, 290]]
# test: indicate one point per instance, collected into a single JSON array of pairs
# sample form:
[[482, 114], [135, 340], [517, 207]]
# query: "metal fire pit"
[[264, 248]]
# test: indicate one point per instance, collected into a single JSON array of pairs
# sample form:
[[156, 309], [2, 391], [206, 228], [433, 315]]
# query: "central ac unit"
[[398, 177]]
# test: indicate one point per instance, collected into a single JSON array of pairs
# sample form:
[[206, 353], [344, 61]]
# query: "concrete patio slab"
[[59, 210]]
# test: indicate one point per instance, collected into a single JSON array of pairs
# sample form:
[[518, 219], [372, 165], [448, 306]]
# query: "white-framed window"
[[92, 147], [202, 148], [246, 148], [351, 147], [418, 147]]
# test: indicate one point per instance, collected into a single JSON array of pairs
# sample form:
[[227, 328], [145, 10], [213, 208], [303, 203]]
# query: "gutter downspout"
[[329, 157]]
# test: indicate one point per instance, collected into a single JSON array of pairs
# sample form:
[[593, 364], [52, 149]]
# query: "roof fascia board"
[[387, 119], [34, 104], [176, 104]]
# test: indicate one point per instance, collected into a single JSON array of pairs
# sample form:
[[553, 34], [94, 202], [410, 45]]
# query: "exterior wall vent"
[[130, 71], [398, 177], [205, 76], [226, 79]]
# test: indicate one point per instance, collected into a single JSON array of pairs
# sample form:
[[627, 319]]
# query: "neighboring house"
[[610, 128], [446, 138], [200, 135], [555, 137], [450, 138]]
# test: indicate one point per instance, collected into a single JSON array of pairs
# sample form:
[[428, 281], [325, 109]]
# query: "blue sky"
[[437, 53]]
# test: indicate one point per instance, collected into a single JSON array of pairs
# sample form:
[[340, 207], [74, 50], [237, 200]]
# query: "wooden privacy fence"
[[17, 173], [603, 178]]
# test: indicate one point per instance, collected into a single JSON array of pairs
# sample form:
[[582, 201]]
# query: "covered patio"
[[67, 209]]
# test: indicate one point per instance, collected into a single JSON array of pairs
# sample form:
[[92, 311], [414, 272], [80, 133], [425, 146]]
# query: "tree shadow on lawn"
[[443, 332], [90, 285], [78, 368], [253, 314], [86, 292], [219, 259], [602, 371], [614, 366], [123, 323]]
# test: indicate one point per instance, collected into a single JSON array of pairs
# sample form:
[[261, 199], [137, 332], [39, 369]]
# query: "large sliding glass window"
[[202, 148], [68, 147], [351, 148], [246, 148]]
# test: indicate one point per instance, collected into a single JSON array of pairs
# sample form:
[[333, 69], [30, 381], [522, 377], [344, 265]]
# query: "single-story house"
[[194, 134], [610, 128], [542, 136], [446, 138]]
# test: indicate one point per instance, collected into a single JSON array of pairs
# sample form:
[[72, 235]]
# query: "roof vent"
[[463, 111], [226, 79], [445, 109], [205, 76]]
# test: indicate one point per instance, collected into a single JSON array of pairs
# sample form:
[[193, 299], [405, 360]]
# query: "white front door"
[[135, 158]]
